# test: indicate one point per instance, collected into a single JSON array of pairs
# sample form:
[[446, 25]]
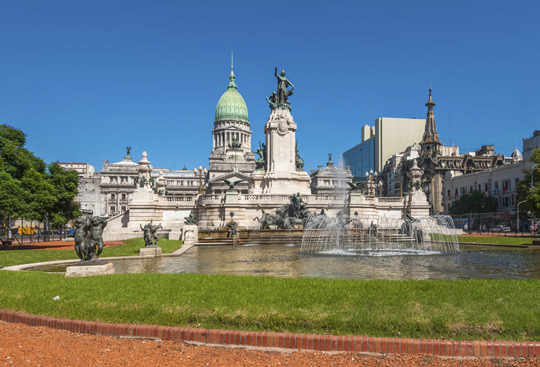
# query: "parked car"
[[500, 228]]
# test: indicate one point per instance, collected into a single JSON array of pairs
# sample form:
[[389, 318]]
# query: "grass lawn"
[[17, 257], [463, 309], [497, 240]]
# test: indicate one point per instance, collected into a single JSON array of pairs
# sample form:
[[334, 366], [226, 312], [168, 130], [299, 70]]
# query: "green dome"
[[231, 105]]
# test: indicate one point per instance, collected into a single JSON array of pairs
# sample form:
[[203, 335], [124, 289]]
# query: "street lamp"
[[521, 202], [371, 177], [200, 173], [532, 174]]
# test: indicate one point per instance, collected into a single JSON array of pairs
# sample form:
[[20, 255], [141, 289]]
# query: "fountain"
[[383, 237]]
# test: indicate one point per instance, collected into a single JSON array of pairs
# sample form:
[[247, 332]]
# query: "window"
[[113, 196], [505, 185], [113, 210], [123, 196], [123, 209]]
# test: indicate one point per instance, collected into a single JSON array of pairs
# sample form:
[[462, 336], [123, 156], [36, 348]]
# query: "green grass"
[[463, 309], [131, 248], [497, 240]]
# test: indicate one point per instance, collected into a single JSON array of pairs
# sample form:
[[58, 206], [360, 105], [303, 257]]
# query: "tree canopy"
[[28, 188], [474, 202]]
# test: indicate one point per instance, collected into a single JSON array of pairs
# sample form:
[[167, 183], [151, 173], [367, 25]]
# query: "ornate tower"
[[429, 160], [430, 140], [231, 145]]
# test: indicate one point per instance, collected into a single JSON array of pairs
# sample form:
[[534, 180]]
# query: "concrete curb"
[[291, 341], [21, 267]]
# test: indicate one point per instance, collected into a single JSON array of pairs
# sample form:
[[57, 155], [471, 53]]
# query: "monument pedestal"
[[85, 269], [150, 251], [281, 176], [418, 204]]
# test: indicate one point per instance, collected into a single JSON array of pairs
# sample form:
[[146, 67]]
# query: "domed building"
[[231, 157]]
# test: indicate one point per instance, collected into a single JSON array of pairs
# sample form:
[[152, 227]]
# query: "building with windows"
[[436, 160], [500, 182], [388, 136], [330, 180], [83, 169], [109, 192], [530, 143]]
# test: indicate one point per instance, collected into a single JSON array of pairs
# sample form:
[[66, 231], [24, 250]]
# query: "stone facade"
[[231, 142], [280, 176], [435, 160], [236, 186], [331, 179], [530, 143], [500, 182]]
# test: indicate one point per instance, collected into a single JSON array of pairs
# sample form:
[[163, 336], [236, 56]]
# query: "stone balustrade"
[[180, 198], [390, 200]]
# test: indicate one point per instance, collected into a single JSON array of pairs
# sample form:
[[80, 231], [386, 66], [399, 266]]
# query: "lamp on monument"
[[200, 173]]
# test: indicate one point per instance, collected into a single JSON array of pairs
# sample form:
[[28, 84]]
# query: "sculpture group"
[[287, 216], [150, 234], [89, 237]]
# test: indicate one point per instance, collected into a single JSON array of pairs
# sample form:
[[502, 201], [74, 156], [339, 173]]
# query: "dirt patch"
[[22, 345]]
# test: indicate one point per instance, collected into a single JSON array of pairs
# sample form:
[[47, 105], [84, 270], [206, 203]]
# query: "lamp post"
[[517, 227], [371, 177], [200, 173], [532, 174]]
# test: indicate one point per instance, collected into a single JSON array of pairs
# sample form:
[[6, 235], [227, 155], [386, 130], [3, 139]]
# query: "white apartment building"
[[500, 182]]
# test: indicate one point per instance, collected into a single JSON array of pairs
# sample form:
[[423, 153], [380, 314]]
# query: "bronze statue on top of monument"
[[281, 98]]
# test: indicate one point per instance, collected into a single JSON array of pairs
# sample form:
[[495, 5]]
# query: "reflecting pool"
[[287, 261]]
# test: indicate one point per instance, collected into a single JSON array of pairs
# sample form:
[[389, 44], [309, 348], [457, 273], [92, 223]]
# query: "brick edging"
[[317, 342]]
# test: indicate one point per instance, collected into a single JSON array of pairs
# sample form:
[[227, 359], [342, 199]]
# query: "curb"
[[315, 342], [22, 267]]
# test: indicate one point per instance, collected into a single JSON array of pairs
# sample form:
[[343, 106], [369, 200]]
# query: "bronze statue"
[[89, 237], [235, 144], [272, 101], [260, 163], [128, 149], [150, 236], [191, 219], [232, 226], [231, 184], [355, 186], [299, 161], [98, 224], [282, 100]]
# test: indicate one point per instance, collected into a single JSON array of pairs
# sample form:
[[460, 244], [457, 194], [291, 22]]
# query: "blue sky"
[[84, 79]]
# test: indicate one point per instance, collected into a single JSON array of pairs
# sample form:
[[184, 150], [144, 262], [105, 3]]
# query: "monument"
[[150, 240], [280, 165], [88, 246], [269, 193]]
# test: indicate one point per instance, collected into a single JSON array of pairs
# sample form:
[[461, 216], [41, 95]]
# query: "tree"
[[15, 159], [531, 194], [12, 200], [65, 187], [29, 190], [39, 195], [474, 202]]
